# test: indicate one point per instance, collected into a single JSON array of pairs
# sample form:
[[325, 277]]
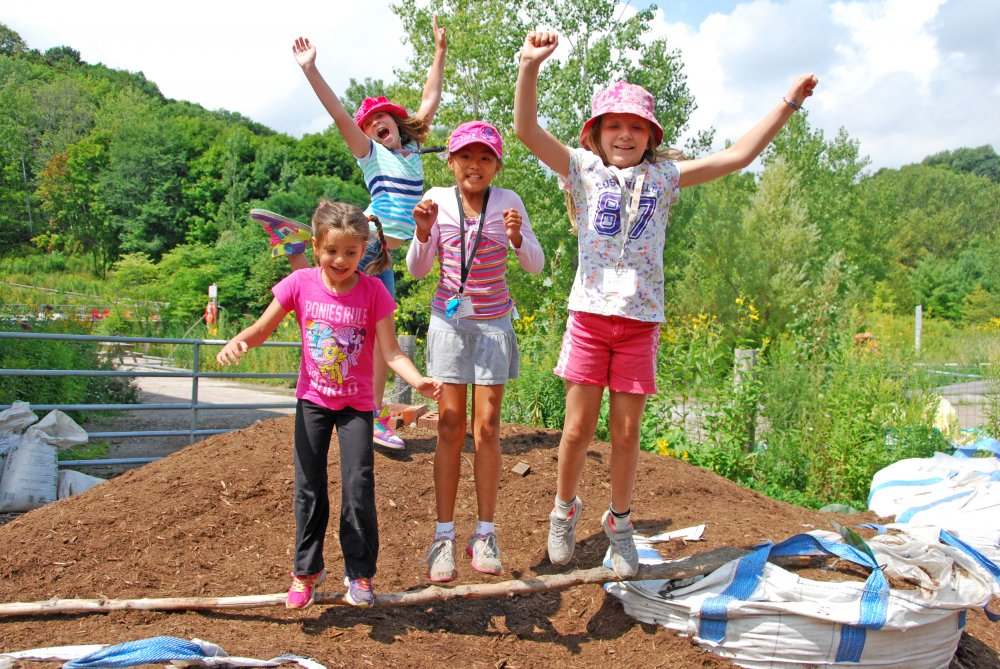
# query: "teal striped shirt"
[[395, 181]]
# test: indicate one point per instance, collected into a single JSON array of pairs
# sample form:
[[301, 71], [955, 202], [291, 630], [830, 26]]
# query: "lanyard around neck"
[[628, 209], [466, 268]]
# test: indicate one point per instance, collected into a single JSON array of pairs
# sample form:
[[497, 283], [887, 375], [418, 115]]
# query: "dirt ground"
[[215, 519]]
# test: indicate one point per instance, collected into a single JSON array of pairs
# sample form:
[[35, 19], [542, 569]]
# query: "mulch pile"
[[215, 519]]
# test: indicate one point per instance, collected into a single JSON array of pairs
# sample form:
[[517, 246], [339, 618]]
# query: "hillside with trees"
[[110, 189]]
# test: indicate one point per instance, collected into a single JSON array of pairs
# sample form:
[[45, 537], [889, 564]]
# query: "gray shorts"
[[482, 353]]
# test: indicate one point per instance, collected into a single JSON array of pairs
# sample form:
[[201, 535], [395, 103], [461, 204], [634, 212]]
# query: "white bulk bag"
[[757, 614]]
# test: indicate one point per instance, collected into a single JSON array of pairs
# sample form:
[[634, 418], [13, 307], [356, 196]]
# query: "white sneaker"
[[441, 561], [562, 541], [624, 555]]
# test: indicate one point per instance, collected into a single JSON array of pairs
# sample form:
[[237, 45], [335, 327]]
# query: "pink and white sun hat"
[[624, 98], [476, 132], [371, 106]]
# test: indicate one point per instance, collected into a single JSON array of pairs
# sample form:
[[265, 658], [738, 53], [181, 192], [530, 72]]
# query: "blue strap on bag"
[[873, 605]]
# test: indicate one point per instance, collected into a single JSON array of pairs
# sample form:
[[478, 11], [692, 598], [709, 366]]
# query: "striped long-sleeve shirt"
[[487, 281]]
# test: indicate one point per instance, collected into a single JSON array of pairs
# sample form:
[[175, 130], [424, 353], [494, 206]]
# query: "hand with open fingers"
[[232, 352], [512, 226], [424, 215], [431, 388], [802, 88], [305, 53], [539, 45], [439, 35]]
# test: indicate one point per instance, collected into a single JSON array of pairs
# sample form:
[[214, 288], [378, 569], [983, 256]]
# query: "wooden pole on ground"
[[695, 565]]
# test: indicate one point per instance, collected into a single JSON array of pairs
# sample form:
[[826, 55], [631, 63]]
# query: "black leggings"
[[314, 426]]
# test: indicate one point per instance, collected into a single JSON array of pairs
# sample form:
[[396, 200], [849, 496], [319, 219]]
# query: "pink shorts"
[[612, 351]]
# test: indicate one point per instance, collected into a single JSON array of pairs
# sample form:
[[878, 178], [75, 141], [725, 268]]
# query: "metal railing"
[[195, 373]]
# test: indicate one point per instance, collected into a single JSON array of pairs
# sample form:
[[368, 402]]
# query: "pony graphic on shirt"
[[334, 349]]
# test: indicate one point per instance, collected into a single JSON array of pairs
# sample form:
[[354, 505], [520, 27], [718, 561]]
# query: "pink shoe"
[[303, 590], [287, 236]]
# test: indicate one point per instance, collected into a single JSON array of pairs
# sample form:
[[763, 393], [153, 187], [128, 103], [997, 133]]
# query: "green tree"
[[11, 43], [982, 161]]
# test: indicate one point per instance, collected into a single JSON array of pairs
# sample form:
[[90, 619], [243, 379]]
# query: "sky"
[[903, 78]]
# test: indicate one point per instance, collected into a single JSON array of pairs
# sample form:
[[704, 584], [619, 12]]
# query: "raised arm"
[[423, 248], [537, 47], [749, 146], [435, 77], [357, 141]]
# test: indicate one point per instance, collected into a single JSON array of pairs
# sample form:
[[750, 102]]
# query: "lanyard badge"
[[461, 305]]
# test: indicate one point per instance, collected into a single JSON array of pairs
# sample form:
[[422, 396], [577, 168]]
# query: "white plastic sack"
[[29, 475], [759, 615], [8, 440], [17, 417], [960, 495], [61, 430], [72, 482]]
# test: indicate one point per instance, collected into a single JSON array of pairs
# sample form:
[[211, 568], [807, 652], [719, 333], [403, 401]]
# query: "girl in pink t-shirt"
[[342, 313]]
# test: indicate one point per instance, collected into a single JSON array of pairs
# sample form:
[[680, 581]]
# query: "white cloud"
[[905, 78], [226, 54]]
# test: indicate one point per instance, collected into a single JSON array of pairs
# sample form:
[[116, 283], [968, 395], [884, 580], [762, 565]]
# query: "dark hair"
[[348, 218]]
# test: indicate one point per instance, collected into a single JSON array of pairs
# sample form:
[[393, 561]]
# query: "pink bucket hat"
[[476, 132], [624, 98], [370, 106]]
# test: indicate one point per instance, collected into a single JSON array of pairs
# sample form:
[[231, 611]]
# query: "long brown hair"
[[348, 218]]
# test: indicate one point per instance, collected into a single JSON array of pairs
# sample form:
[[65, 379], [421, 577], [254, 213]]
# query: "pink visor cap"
[[624, 98], [476, 132], [374, 105]]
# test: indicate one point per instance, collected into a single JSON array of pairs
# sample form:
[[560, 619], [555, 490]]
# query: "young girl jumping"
[[341, 313], [471, 341], [385, 140], [621, 186]]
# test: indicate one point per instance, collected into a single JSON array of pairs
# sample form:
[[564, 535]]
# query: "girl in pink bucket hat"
[[385, 141], [621, 185], [471, 228]]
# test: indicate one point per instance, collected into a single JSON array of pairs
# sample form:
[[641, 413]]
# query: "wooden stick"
[[686, 568]]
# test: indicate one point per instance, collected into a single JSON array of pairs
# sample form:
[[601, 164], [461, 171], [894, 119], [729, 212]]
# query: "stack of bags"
[[29, 473]]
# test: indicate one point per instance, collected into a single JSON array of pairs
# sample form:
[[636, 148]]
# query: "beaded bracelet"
[[791, 104]]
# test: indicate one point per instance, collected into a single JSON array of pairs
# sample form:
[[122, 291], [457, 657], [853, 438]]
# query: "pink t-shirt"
[[338, 336]]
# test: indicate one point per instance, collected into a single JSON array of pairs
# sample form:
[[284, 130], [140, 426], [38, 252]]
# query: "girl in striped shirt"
[[469, 228], [385, 140]]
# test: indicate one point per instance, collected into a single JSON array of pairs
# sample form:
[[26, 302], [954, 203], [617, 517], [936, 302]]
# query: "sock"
[[483, 528], [620, 519], [444, 531], [563, 509]]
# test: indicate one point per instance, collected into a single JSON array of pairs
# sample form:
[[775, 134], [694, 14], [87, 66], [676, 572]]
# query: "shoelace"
[[489, 549], [438, 547], [362, 584], [301, 584]]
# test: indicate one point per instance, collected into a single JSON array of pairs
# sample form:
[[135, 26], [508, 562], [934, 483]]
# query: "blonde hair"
[[343, 217], [591, 140]]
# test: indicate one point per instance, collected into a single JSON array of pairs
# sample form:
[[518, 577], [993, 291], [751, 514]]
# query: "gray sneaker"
[[485, 553], [441, 561], [561, 540], [624, 556]]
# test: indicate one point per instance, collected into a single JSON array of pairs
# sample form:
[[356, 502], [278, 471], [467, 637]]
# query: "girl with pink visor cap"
[[385, 141], [621, 185], [470, 228]]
